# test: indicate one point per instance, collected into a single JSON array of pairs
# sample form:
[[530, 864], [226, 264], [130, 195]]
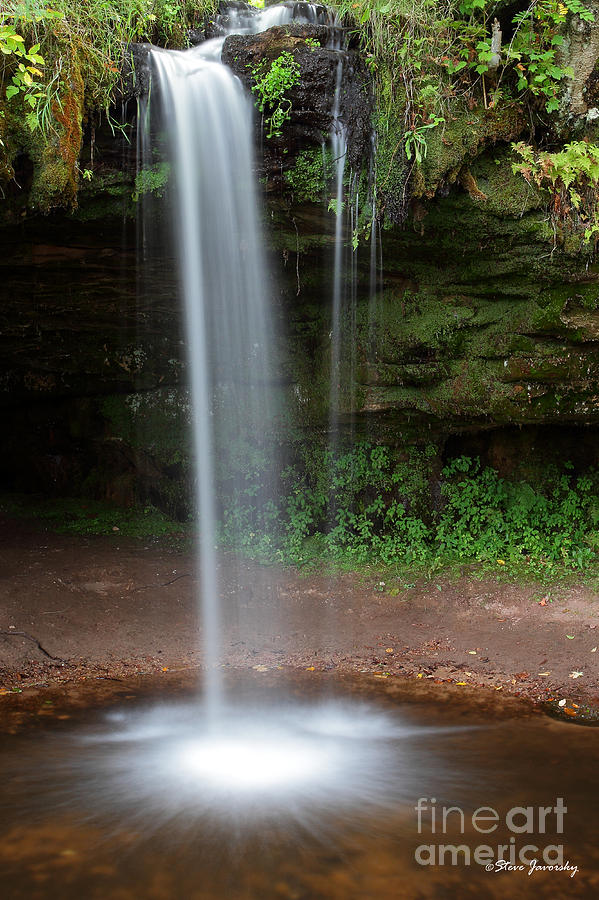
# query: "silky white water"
[[199, 120], [208, 119], [223, 759]]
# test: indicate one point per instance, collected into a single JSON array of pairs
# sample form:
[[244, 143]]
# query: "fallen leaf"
[[389, 650], [570, 637], [501, 562], [543, 602], [461, 683]]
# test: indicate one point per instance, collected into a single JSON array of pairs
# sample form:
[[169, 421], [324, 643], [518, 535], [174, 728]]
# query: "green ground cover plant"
[[71, 515], [368, 506], [570, 178]]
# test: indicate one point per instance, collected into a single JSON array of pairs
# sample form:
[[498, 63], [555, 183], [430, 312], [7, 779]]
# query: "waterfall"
[[245, 20], [199, 124], [239, 764], [202, 119], [208, 120]]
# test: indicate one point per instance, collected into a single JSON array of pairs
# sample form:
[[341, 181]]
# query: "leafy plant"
[[335, 206], [25, 70], [365, 505], [532, 53], [415, 139], [92, 37], [571, 179], [271, 83]]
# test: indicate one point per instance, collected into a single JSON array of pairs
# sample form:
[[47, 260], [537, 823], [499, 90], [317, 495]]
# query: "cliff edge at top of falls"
[[414, 83]]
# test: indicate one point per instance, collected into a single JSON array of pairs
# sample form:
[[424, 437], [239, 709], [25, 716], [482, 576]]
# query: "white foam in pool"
[[167, 764], [255, 763]]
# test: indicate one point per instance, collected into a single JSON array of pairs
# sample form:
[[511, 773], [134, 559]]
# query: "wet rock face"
[[312, 99], [70, 321], [135, 74], [475, 327]]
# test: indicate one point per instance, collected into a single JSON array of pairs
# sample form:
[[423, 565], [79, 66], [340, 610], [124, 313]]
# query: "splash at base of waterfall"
[[164, 766]]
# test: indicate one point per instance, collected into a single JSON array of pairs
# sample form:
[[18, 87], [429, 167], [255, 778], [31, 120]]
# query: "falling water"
[[339, 151], [209, 122], [202, 118], [246, 20]]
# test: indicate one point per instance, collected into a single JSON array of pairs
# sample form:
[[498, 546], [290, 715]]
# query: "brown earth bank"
[[75, 608]]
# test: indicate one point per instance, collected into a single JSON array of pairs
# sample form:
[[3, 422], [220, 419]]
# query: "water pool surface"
[[123, 790]]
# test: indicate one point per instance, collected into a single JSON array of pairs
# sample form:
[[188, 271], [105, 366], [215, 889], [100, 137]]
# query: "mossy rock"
[[457, 142], [501, 191]]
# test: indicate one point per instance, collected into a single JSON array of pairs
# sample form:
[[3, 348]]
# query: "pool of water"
[[309, 786]]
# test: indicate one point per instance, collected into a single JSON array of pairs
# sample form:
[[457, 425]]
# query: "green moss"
[[459, 141], [156, 422], [83, 46], [505, 193], [391, 170], [55, 153], [105, 196], [311, 175], [152, 180]]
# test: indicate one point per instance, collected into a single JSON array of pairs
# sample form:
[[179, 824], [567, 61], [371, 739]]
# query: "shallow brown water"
[[75, 824]]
